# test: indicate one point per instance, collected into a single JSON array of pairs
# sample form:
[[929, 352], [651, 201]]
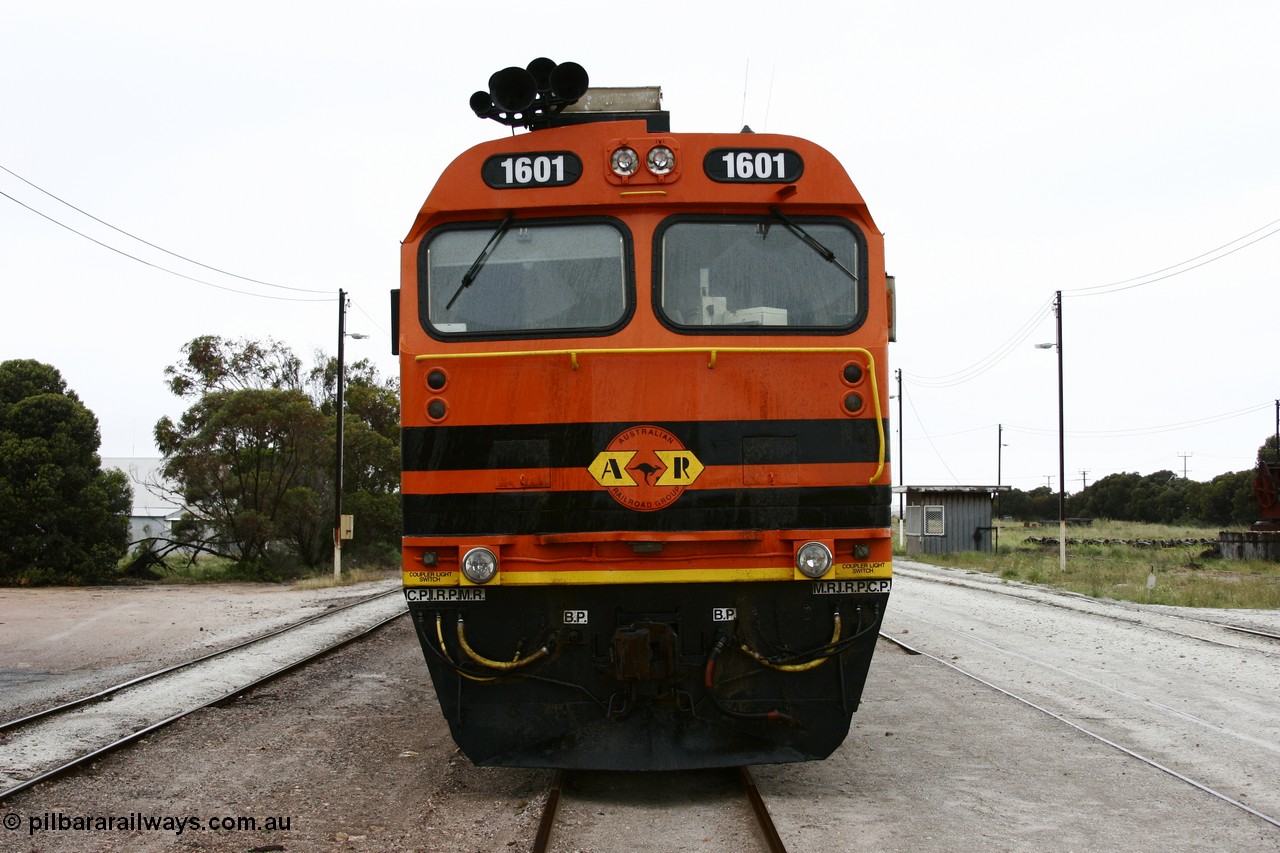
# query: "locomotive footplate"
[[687, 675]]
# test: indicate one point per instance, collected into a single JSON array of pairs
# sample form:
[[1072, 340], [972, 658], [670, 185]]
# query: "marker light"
[[813, 559], [625, 161], [661, 160], [479, 565]]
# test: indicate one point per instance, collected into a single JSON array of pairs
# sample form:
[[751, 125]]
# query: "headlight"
[[479, 565], [624, 161], [813, 559], [661, 160]]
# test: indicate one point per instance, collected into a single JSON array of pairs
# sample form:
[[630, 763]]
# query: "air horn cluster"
[[521, 97]]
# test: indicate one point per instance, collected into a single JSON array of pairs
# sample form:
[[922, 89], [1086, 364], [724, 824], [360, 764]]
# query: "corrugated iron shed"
[[946, 519]]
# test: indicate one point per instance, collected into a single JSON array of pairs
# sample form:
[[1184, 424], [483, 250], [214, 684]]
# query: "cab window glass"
[[747, 272], [516, 277]]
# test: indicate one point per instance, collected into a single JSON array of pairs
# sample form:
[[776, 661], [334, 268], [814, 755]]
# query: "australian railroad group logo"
[[645, 468]]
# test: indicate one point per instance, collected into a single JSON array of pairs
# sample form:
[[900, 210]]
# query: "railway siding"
[[1172, 684], [40, 746]]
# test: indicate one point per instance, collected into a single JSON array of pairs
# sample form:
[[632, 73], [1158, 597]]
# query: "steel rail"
[[763, 817], [546, 823], [284, 670], [132, 682], [542, 841], [1240, 630], [1129, 752]]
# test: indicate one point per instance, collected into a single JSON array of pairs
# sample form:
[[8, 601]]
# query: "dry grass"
[[1184, 576], [206, 569], [349, 577]]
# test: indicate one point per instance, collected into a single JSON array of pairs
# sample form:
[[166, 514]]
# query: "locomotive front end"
[[645, 478]]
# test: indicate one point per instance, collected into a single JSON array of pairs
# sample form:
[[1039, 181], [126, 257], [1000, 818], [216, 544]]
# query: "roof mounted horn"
[[525, 97]]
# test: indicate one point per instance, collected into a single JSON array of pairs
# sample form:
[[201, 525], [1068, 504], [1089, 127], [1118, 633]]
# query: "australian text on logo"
[[851, 587], [447, 593]]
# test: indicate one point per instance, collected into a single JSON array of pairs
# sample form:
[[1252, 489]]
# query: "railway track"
[[1188, 695], [1151, 762], [1254, 632], [45, 744], [1194, 627], [934, 762], [715, 783]]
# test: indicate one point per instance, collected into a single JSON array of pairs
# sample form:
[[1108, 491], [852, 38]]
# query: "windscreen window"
[[760, 274], [513, 278]]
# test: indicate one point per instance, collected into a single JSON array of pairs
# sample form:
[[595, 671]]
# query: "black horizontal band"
[[575, 445], [547, 512]]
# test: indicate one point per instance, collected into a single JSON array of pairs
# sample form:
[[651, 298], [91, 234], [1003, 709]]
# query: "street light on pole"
[[340, 406], [1062, 446]]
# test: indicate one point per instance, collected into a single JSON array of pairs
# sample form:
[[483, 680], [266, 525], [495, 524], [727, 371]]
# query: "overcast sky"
[[1125, 153]]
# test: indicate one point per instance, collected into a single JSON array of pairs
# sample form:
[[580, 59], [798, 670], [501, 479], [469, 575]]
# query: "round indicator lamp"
[[624, 161], [661, 160]]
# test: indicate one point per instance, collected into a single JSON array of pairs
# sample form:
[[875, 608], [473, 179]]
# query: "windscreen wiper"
[[812, 242], [470, 275]]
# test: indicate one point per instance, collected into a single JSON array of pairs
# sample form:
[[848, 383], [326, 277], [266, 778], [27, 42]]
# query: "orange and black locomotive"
[[646, 485]]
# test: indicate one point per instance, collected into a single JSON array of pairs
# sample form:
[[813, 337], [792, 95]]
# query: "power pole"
[[1184, 457], [1084, 478], [1062, 437], [1000, 446], [1062, 446], [340, 404], [902, 476]]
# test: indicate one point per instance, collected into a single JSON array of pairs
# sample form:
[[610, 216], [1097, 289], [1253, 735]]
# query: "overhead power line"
[[374, 322], [988, 361], [1113, 433], [1005, 349], [925, 431], [157, 266], [1147, 278], [1150, 430], [154, 246]]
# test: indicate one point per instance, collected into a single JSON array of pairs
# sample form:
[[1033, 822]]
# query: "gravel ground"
[[353, 752], [52, 742], [66, 642], [1168, 683]]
